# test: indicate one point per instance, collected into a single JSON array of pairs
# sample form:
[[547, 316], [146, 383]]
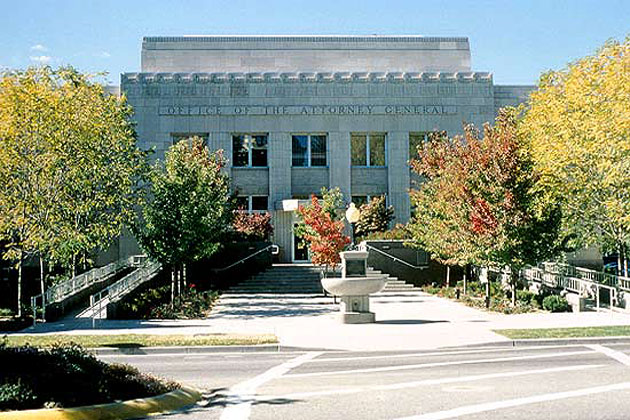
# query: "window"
[[309, 150], [177, 137], [416, 140], [249, 150], [252, 203], [367, 149]]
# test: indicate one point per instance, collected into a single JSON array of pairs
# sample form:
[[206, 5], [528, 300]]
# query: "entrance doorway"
[[300, 250]]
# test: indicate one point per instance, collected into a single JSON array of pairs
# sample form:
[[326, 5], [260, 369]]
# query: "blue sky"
[[515, 40]]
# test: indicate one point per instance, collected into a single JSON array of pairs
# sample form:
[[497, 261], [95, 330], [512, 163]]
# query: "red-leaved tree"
[[325, 236], [480, 202]]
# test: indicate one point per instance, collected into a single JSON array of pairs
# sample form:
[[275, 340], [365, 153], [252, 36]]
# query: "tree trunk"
[[625, 260], [172, 287], [42, 286], [448, 276], [464, 278], [74, 265], [619, 260], [184, 280], [19, 286], [179, 281]]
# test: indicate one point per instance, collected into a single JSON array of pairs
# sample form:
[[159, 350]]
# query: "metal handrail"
[[122, 287], [571, 281], [275, 250], [394, 258], [65, 289]]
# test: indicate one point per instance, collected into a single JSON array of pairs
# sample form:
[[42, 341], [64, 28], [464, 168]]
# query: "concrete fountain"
[[354, 287]]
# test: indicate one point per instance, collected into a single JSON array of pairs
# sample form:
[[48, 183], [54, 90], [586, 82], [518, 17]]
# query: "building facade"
[[294, 114]]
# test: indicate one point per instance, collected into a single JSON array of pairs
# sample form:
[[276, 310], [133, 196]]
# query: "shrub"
[[555, 303], [374, 217], [526, 297], [67, 376], [156, 304], [15, 394], [398, 232], [254, 226]]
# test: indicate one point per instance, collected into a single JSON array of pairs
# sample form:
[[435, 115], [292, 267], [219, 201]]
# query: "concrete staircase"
[[301, 279], [393, 283], [282, 279]]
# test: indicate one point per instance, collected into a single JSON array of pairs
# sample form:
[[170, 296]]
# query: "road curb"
[[122, 410], [522, 342], [138, 351]]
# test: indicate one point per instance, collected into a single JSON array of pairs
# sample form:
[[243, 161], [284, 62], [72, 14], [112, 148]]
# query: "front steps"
[[393, 283], [302, 279], [282, 279]]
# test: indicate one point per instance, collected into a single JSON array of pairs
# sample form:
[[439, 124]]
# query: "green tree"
[[578, 125], [69, 166], [191, 208], [375, 217], [480, 203]]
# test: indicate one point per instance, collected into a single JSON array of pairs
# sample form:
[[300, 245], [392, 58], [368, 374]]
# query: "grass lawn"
[[141, 340], [608, 331]]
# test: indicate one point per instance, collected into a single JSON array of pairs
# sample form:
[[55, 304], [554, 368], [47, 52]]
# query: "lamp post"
[[352, 216]]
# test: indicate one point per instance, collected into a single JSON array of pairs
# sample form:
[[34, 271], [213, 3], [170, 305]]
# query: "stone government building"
[[297, 113]]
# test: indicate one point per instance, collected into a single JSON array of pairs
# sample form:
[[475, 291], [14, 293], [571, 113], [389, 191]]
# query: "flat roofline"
[[304, 38]]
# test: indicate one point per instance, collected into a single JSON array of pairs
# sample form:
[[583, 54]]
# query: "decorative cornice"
[[308, 77]]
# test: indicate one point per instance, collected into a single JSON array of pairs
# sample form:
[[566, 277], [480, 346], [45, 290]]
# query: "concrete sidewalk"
[[405, 321]]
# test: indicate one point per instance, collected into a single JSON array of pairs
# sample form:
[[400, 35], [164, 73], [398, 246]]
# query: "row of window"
[[260, 203], [310, 150]]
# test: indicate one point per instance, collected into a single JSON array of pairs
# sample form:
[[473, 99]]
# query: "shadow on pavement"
[[410, 321]]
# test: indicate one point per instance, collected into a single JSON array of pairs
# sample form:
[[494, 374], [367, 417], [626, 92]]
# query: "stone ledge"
[[307, 77]]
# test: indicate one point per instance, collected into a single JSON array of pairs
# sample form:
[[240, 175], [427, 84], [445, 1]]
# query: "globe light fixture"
[[352, 216]]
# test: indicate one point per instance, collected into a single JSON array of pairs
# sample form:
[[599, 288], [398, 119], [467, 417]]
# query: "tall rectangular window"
[[249, 150], [252, 203], [368, 149], [309, 150]]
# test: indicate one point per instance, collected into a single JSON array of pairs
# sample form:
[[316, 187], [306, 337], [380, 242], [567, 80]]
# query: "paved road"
[[560, 382]]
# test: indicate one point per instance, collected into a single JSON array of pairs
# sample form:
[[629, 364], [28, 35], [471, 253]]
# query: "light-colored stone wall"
[[304, 53], [335, 104]]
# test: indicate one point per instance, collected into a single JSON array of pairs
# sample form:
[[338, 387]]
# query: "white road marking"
[[497, 405], [241, 396], [208, 354], [614, 354], [425, 382], [435, 364], [441, 353]]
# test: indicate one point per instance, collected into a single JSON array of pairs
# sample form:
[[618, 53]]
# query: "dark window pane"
[[242, 203], [359, 200], [300, 150], [415, 141], [240, 151], [259, 203], [318, 150], [260, 141], [259, 157], [377, 149], [358, 149]]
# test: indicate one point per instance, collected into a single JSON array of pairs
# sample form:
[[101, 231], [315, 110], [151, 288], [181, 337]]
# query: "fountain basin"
[[354, 286]]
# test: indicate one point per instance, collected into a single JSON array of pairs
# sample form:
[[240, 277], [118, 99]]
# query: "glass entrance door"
[[300, 250]]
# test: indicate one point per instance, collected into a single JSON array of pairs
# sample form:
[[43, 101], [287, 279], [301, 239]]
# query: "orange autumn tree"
[[324, 235]]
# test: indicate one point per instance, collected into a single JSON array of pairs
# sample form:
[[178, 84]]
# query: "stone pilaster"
[[339, 162], [398, 174]]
